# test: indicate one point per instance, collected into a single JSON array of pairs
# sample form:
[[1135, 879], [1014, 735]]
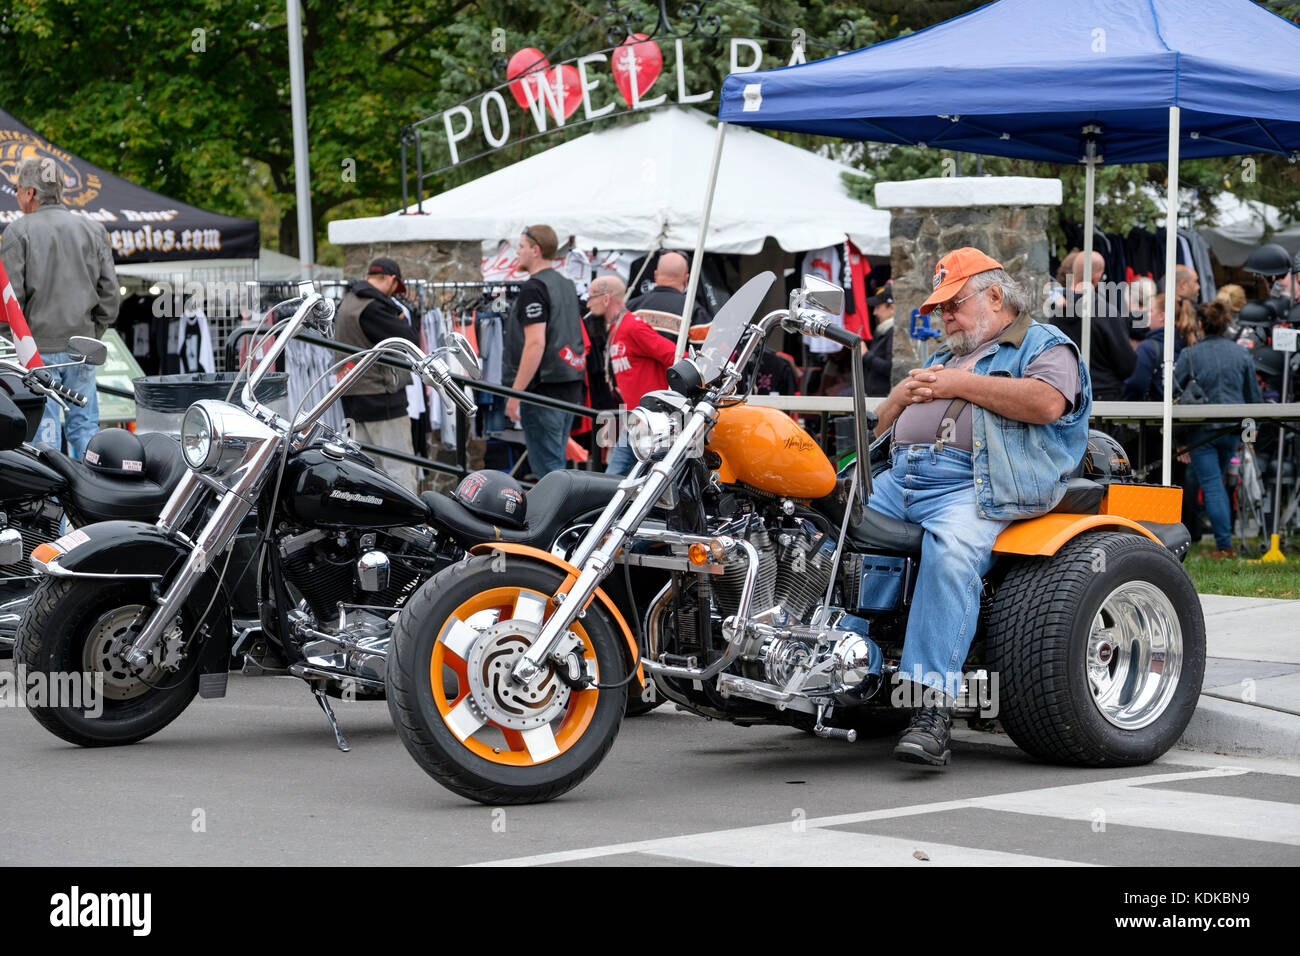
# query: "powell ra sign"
[[547, 97]]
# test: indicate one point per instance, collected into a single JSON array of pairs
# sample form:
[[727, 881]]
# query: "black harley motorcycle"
[[152, 611], [40, 486]]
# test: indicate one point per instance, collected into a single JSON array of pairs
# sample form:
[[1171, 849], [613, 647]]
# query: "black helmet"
[[1105, 460], [115, 451], [1270, 259], [494, 496], [1256, 313]]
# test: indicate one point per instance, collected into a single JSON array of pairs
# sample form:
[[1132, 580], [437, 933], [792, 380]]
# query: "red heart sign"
[[637, 58], [526, 61]]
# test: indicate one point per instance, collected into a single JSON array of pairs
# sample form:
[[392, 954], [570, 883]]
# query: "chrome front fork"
[[606, 538], [209, 544]]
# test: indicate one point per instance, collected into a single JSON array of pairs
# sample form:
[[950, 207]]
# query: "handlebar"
[[39, 380], [317, 312]]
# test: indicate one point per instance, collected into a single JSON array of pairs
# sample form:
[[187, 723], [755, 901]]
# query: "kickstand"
[[319, 693]]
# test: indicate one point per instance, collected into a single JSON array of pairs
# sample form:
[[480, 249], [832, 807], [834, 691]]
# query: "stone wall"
[[932, 217], [441, 261]]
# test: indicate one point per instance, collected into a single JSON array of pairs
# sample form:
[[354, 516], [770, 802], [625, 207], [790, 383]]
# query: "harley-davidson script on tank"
[[329, 493], [766, 449]]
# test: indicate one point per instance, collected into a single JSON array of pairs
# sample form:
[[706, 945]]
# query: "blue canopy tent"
[[1070, 81]]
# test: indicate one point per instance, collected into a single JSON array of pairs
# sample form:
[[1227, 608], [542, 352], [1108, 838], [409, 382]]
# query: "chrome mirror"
[[94, 351], [823, 295], [464, 352]]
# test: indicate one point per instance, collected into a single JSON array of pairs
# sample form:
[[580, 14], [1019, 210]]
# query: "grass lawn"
[[1241, 577]]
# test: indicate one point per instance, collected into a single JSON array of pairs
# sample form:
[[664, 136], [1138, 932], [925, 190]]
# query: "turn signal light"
[[698, 553], [44, 552]]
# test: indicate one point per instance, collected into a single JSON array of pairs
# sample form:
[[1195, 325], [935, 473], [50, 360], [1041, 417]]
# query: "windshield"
[[730, 322]]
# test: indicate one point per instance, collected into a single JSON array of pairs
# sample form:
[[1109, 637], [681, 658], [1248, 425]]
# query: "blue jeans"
[[1209, 462], [934, 488], [82, 423], [546, 434], [621, 458]]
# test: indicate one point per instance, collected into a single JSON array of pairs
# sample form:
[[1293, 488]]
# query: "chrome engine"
[[352, 585], [793, 651]]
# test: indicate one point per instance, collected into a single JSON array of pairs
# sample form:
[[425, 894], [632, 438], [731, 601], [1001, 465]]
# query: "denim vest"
[[1021, 469]]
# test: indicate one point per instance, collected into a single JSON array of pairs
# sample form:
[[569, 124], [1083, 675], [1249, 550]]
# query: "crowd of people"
[[1126, 362]]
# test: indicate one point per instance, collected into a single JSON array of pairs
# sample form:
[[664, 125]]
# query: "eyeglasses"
[[955, 304], [529, 233]]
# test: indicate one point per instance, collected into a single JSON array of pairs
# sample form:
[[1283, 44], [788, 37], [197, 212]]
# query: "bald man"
[[1112, 357], [1187, 284], [637, 359], [672, 273]]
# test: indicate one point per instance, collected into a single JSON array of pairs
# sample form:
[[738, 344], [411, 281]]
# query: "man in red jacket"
[[637, 358]]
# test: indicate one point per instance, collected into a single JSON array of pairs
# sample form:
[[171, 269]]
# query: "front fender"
[[129, 549], [572, 573], [138, 551]]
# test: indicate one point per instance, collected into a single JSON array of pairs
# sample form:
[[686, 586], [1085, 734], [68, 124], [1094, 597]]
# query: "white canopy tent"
[[643, 186]]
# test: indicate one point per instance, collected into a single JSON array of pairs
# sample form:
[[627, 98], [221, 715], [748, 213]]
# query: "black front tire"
[[1042, 642], [51, 641]]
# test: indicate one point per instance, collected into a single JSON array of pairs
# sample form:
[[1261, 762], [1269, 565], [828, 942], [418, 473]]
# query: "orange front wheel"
[[461, 715]]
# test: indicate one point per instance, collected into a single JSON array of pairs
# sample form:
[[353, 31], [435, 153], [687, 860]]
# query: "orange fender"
[[525, 551], [1046, 534]]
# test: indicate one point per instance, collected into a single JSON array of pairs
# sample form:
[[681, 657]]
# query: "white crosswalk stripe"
[[1122, 802]]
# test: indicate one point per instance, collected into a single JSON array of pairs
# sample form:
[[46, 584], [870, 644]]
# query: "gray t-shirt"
[[921, 424]]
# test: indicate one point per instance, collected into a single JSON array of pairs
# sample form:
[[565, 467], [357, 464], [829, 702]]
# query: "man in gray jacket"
[[61, 268]]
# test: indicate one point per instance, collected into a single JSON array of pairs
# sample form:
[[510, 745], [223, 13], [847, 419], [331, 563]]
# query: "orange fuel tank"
[[766, 448]]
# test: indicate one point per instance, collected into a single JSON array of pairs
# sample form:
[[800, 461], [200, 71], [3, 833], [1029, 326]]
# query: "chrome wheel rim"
[[1134, 655]]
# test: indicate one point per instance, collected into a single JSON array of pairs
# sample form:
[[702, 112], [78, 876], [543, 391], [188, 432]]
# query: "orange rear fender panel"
[[525, 551], [1046, 534]]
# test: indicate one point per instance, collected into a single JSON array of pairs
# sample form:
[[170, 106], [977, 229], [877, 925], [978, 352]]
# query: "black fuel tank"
[[23, 478], [326, 492]]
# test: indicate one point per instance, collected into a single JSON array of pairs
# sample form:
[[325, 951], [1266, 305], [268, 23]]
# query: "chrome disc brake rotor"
[[106, 643], [1135, 655], [500, 699]]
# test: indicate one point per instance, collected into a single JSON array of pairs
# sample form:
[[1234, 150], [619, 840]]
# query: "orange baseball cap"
[[952, 271]]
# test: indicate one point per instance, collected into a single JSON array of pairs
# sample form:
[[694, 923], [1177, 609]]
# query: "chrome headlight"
[[650, 433], [216, 438]]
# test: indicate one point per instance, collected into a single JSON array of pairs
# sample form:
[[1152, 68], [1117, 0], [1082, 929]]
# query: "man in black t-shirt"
[[544, 351]]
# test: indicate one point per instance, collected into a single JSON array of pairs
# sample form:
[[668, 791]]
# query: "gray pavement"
[[255, 779]]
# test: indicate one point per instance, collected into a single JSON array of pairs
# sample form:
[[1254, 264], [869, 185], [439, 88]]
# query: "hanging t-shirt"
[[193, 343], [857, 315], [825, 264]]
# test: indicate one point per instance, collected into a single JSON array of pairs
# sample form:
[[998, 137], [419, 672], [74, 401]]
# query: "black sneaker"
[[926, 738]]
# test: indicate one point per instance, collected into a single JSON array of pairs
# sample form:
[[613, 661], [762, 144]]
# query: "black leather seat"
[[556, 499], [877, 532], [105, 497]]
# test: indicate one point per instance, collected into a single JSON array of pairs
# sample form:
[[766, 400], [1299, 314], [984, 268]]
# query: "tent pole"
[[301, 169], [1089, 218], [1171, 261], [697, 263]]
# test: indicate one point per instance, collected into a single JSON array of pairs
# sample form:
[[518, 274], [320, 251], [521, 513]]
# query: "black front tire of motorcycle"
[[51, 639], [422, 729]]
